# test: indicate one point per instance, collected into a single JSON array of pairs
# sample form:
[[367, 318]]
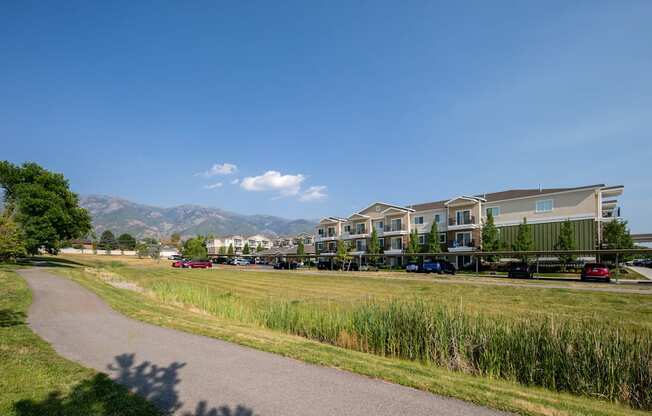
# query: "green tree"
[[12, 245], [301, 249], [433, 245], [142, 250], [43, 206], [126, 242], [615, 235], [342, 254], [259, 248], [230, 251], [107, 241], [413, 246], [221, 251], [245, 249], [373, 247], [195, 248], [524, 240], [566, 241], [490, 241]]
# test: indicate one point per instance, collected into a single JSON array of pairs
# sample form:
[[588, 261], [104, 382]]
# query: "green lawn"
[[35, 381], [181, 299]]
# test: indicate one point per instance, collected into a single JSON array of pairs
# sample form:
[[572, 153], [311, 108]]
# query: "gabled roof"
[[331, 219], [357, 214], [389, 205], [465, 198]]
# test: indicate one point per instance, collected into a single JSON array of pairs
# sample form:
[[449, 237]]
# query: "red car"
[[180, 263], [595, 271], [199, 264]]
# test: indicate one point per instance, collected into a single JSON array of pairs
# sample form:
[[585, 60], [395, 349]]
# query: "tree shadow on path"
[[155, 389]]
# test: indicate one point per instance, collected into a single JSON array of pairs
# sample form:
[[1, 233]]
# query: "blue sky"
[[319, 108]]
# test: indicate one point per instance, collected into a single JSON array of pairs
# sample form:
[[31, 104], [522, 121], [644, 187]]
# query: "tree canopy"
[[524, 240], [107, 241], [413, 245], [433, 245], [195, 248], [43, 206], [12, 245], [126, 242], [246, 249], [490, 235], [566, 241], [374, 246]]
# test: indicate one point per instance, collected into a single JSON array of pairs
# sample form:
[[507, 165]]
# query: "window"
[[397, 243], [359, 228], [320, 232], [463, 217], [437, 218], [320, 246], [347, 228], [418, 220], [396, 225], [381, 243], [494, 211], [379, 225], [544, 205], [361, 245], [331, 231], [442, 238], [422, 239]]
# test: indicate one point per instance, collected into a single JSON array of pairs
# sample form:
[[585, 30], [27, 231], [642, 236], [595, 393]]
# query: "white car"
[[412, 267], [241, 262]]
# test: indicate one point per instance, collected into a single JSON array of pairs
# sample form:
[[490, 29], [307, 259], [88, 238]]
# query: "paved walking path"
[[190, 375], [644, 271]]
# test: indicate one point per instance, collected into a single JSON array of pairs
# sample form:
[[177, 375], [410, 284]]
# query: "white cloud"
[[213, 185], [274, 181], [219, 169], [313, 193], [235, 181]]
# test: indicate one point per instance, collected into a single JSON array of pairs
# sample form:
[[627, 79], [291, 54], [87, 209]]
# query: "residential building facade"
[[460, 220], [213, 245]]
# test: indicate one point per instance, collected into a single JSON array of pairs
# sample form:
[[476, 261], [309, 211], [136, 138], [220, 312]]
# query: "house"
[[460, 220]]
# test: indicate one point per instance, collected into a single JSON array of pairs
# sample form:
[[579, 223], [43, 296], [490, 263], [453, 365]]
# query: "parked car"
[[593, 271], [284, 265], [520, 270], [199, 264], [175, 257], [240, 262], [219, 260], [368, 268], [412, 267], [182, 263], [439, 267]]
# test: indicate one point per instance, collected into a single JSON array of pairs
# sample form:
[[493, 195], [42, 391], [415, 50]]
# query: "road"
[[187, 374]]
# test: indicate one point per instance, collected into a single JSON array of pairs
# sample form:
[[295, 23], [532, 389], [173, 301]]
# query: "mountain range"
[[123, 216]]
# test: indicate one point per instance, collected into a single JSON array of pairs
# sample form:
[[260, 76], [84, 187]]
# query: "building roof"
[[510, 194]]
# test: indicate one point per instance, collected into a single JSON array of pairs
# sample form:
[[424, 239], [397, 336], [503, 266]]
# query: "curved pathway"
[[187, 374]]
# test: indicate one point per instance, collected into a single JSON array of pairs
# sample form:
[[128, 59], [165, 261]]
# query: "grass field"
[[35, 381], [377, 315]]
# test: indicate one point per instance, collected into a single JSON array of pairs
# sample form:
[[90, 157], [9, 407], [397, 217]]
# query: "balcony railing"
[[395, 227], [463, 243], [463, 221], [358, 232]]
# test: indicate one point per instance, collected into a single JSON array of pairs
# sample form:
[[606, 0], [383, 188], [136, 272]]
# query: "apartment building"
[[460, 220], [292, 241], [238, 242]]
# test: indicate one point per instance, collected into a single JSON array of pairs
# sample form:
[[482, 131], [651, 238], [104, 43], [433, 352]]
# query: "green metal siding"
[[545, 235]]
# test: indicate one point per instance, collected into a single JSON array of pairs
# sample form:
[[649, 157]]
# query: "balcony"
[[464, 222], [395, 229], [327, 237], [461, 245]]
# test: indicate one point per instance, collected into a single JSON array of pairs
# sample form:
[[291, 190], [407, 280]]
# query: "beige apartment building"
[[213, 245], [460, 220]]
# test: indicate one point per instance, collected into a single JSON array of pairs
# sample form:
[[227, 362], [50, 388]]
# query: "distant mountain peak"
[[123, 216]]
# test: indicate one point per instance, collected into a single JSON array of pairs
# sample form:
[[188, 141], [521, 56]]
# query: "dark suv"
[[520, 270]]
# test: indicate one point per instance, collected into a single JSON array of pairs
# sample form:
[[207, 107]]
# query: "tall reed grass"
[[571, 356]]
